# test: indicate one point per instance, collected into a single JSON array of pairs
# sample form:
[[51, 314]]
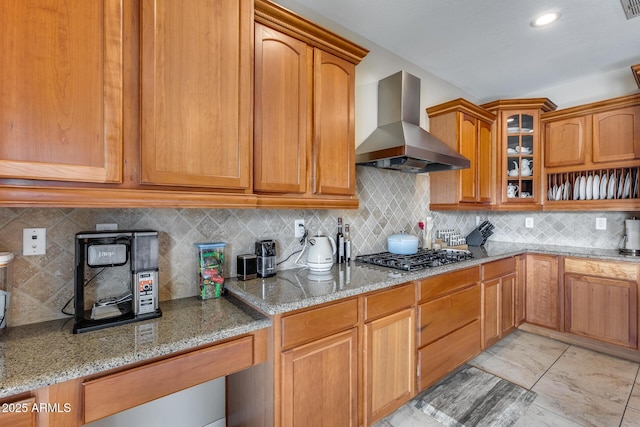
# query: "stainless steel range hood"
[[399, 143]]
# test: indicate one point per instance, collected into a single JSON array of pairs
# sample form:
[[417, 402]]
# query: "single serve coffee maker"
[[116, 278]]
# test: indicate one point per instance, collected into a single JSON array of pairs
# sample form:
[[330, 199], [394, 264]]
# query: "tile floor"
[[574, 386]]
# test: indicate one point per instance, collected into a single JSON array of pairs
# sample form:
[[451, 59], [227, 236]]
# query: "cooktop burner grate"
[[424, 258]]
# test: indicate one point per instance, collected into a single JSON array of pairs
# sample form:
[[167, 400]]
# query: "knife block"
[[477, 238]]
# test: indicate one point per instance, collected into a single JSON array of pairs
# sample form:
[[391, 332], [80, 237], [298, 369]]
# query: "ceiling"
[[487, 47]]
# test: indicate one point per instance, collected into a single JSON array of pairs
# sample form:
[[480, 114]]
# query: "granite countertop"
[[300, 288], [41, 354]]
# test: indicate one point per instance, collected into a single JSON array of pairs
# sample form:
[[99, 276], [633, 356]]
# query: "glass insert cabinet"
[[518, 134], [520, 156]]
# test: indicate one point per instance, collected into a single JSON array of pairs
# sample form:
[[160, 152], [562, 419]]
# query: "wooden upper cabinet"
[[469, 149], [282, 93], [602, 134], [466, 128], [196, 93], [485, 169], [334, 125], [61, 96], [616, 135], [566, 142]]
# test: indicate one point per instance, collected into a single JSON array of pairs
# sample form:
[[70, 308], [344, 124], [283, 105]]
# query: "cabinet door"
[[542, 304], [196, 93], [616, 135], [603, 309], [390, 366], [521, 277], [61, 96], [320, 382], [469, 149], [507, 305], [484, 167], [334, 126], [282, 73], [565, 142], [491, 312]]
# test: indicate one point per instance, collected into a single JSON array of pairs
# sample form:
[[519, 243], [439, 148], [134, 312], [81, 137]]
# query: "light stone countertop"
[[41, 354], [300, 288]]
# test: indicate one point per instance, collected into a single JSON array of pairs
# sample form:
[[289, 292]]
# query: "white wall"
[[378, 64], [594, 88]]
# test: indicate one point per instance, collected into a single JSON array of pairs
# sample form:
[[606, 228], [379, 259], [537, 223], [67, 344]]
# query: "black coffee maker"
[[122, 264], [266, 253]]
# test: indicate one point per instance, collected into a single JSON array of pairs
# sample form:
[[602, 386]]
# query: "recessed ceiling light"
[[545, 19]]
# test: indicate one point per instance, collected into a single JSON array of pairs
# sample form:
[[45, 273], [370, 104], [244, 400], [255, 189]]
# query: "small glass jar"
[[210, 269]]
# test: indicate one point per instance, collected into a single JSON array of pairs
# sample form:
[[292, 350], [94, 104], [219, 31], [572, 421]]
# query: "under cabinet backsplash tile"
[[389, 202], [551, 228]]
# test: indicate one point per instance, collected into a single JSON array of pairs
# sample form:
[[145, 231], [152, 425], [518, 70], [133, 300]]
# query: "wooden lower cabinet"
[[490, 313], [498, 300], [601, 301], [18, 412], [542, 292], [389, 363], [498, 309], [443, 356], [449, 324], [320, 382], [521, 281]]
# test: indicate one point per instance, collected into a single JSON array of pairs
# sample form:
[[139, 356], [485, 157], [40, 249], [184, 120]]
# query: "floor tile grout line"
[[626, 406], [550, 366]]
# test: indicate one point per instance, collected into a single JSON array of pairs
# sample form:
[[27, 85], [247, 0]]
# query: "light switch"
[[34, 241]]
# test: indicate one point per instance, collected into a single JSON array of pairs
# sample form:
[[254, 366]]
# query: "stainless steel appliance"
[[247, 266], [123, 256], [399, 143], [423, 259], [266, 253], [632, 237]]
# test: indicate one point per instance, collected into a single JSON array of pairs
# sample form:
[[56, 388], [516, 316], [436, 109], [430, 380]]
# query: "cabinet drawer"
[[18, 413], [440, 317], [123, 390], [320, 322], [590, 267], [443, 356], [388, 302], [433, 287], [500, 268]]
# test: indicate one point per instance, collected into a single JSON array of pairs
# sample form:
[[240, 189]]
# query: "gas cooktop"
[[424, 258]]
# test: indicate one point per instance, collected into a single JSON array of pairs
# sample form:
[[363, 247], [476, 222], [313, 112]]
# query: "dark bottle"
[[340, 243]]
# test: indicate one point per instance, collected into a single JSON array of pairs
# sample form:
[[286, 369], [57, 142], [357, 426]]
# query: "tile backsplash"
[[389, 202]]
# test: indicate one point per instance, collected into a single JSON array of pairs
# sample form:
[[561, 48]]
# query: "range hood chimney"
[[399, 143]]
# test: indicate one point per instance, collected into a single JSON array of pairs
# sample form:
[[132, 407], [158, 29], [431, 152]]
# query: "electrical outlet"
[[34, 241], [477, 219], [528, 222], [601, 223], [299, 227]]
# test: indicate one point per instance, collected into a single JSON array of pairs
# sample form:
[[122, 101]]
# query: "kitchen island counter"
[[300, 288], [41, 354]]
